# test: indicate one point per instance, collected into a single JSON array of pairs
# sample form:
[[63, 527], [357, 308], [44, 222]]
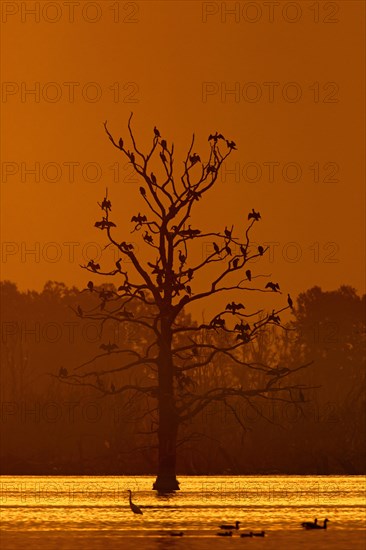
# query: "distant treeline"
[[49, 426]]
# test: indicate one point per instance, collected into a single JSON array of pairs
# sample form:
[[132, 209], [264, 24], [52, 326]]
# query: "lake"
[[65, 513]]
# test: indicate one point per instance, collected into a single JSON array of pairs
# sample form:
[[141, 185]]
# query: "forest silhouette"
[[50, 427]]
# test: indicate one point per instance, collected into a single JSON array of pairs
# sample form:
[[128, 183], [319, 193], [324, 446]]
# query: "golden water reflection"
[[58, 511]]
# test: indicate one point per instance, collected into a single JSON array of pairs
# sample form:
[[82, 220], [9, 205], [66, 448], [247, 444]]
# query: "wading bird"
[[135, 509]]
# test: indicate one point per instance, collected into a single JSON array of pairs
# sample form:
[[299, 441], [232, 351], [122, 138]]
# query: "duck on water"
[[314, 525]]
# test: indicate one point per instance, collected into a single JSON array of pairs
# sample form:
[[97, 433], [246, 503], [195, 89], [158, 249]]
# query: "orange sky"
[[163, 55]]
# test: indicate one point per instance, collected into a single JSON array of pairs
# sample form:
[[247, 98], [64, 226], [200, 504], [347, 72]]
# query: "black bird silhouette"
[[235, 262], [163, 143], [248, 273], [142, 191], [176, 534], [225, 534], [108, 347], [273, 286], [132, 157], [90, 286], [104, 223], [290, 302], [135, 509], [315, 525], [147, 238], [194, 158], [250, 534], [261, 250], [190, 232], [120, 143], [106, 204], [273, 317], [254, 215], [189, 290], [324, 526], [242, 328], [182, 257], [233, 307], [156, 132], [230, 527], [228, 233], [153, 178], [217, 322], [310, 524], [260, 534], [216, 248], [215, 137], [93, 266], [138, 219]]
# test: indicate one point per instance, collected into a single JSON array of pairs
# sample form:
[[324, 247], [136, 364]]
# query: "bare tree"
[[174, 350]]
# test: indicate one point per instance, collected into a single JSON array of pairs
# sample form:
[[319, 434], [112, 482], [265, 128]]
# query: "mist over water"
[[93, 512]]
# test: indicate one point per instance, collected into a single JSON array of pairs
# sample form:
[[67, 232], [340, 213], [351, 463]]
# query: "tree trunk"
[[166, 480]]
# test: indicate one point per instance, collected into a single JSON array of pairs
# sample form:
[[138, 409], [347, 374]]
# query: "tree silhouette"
[[175, 349]]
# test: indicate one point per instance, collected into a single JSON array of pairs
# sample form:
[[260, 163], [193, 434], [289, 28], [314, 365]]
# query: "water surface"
[[44, 512]]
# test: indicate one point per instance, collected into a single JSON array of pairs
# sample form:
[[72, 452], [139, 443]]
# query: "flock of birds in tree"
[[186, 233], [227, 529]]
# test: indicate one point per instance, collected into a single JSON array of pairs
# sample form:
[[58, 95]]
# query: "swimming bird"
[[260, 534], [225, 534], [324, 526], [135, 509], [250, 534], [236, 526], [176, 534], [310, 524]]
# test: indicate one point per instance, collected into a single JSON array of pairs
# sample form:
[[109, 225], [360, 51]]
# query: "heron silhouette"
[[135, 509]]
